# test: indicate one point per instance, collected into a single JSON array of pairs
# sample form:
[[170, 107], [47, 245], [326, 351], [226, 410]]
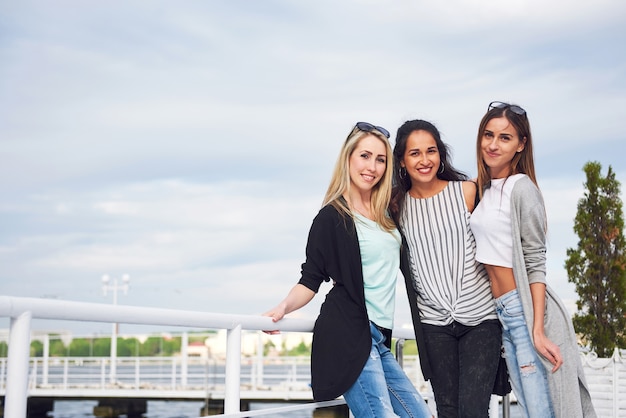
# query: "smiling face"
[[421, 157], [499, 144], [367, 163]]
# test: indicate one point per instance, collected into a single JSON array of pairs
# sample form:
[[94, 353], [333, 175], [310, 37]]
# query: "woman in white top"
[[509, 225], [458, 334]]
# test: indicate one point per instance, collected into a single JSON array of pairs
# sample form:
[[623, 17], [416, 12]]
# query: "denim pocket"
[[513, 309]]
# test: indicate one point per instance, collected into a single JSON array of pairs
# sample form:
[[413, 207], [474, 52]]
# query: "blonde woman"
[[354, 242]]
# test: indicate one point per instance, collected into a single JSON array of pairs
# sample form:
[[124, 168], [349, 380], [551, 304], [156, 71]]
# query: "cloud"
[[191, 146]]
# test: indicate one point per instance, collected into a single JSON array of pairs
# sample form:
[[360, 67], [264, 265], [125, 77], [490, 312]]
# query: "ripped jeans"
[[526, 372], [383, 390]]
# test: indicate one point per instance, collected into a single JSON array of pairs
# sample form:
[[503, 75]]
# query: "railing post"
[[400, 351], [3, 372], [33, 375], [233, 370], [258, 382], [137, 372], [16, 394], [184, 358], [493, 407], [173, 360], [615, 357], [46, 358], [113, 368], [66, 372], [506, 406], [294, 371], [102, 372]]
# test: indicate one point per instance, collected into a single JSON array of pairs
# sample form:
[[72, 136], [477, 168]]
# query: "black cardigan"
[[341, 336]]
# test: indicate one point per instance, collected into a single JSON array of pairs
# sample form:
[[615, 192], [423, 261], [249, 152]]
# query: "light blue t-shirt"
[[380, 256]]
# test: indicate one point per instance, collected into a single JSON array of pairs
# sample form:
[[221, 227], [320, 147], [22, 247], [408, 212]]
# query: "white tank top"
[[491, 223]]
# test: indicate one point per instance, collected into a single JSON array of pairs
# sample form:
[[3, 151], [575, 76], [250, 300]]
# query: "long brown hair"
[[523, 162]]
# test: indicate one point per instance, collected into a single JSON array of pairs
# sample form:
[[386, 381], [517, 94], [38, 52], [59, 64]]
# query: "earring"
[[442, 168], [402, 173]]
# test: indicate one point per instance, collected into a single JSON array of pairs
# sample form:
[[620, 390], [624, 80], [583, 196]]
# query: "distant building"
[[198, 349], [252, 341]]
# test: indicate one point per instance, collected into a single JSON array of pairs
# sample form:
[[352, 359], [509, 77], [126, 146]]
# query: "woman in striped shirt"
[[458, 333]]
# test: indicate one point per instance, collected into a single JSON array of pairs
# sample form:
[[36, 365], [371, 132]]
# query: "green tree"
[[128, 347], [36, 348], [268, 346], [102, 347], [80, 347], [57, 348], [301, 349], [151, 347], [409, 348], [171, 345], [598, 265]]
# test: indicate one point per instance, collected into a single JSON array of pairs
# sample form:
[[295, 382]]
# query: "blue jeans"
[[528, 376], [383, 390]]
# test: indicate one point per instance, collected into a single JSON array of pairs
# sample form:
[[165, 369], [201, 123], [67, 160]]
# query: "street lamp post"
[[114, 287]]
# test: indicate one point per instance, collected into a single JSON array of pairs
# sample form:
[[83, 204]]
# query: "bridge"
[[283, 380], [176, 378], [226, 384]]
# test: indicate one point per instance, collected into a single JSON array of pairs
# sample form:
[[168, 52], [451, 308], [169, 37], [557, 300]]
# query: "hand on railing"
[[277, 313], [298, 296]]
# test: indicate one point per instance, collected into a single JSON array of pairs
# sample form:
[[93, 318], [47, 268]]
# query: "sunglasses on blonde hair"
[[513, 108], [368, 127]]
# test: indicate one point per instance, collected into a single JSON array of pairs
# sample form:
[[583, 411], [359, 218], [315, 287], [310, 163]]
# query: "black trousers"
[[464, 360]]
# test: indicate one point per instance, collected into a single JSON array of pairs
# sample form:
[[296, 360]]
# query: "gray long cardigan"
[[568, 388]]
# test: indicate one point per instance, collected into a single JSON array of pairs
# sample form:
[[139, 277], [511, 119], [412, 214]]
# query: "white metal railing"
[[144, 375], [21, 311], [606, 377]]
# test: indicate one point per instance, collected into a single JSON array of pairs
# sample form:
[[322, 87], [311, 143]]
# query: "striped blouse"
[[451, 285]]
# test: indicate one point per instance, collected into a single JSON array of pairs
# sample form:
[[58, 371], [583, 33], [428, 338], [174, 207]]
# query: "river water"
[[158, 409], [175, 409]]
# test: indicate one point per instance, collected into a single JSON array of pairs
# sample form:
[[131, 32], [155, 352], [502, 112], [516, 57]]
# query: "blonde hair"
[[340, 181]]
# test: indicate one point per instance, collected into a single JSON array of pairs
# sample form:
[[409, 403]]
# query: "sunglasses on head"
[[513, 108], [368, 127]]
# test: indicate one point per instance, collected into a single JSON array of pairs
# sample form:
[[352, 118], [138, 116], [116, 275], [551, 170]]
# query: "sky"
[[189, 144]]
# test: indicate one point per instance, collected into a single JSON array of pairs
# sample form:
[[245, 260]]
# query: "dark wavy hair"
[[402, 181]]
